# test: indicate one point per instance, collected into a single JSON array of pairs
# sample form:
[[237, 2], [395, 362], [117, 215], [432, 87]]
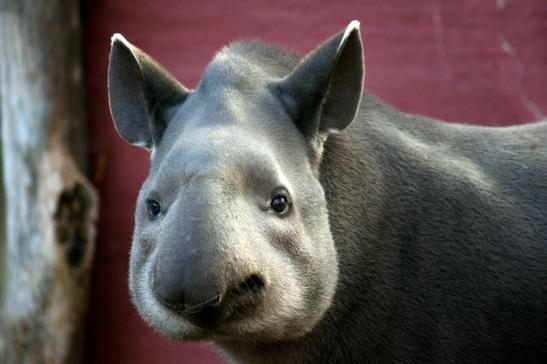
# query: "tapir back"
[[450, 231]]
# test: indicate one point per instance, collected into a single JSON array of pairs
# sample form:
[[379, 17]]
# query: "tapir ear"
[[322, 94], [140, 92]]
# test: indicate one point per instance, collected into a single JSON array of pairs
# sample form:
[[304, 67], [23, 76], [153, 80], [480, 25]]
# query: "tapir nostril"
[[253, 283]]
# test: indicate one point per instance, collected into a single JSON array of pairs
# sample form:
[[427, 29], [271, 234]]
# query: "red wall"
[[482, 62]]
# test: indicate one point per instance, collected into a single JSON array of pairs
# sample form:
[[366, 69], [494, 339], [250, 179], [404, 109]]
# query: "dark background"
[[475, 61]]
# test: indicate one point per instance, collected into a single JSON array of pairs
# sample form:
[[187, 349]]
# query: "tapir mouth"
[[236, 303], [209, 317]]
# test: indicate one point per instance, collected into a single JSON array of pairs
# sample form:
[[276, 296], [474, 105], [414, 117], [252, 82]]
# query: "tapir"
[[290, 217]]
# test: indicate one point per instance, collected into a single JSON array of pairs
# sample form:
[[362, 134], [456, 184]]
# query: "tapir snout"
[[194, 285], [200, 291], [195, 271]]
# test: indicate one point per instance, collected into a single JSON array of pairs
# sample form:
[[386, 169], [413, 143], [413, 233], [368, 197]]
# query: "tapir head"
[[232, 236]]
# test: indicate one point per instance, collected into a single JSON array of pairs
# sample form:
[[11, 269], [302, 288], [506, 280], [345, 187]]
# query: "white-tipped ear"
[[354, 25], [120, 38], [322, 94], [139, 91]]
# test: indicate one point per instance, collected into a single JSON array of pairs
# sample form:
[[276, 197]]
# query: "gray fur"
[[407, 240]]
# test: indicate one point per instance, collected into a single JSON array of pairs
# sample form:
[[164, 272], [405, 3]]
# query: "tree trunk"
[[47, 207]]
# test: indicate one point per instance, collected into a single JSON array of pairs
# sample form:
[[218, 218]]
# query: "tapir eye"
[[280, 204], [154, 209]]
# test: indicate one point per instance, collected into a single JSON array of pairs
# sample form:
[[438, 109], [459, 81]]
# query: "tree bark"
[[48, 208]]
